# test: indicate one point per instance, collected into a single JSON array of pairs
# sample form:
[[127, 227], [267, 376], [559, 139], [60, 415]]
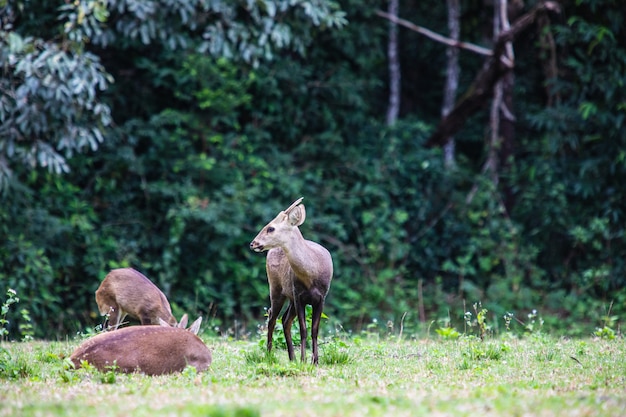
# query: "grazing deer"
[[152, 350], [297, 269], [126, 291]]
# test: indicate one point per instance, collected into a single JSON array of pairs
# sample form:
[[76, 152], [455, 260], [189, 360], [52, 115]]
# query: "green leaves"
[[242, 30], [50, 108]]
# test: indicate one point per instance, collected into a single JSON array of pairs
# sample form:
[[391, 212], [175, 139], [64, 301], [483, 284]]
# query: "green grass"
[[533, 376]]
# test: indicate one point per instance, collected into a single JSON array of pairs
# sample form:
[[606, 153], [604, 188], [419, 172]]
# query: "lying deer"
[[297, 269], [152, 350], [126, 291]]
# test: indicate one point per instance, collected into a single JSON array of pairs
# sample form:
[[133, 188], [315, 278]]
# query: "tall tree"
[[393, 108], [500, 144], [452, 73]]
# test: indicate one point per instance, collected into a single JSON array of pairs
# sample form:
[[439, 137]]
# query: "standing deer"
[[297, 269], [152, 350], [126, 291]]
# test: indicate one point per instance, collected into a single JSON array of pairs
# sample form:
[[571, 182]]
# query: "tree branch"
[[493, 69], [433, 35]]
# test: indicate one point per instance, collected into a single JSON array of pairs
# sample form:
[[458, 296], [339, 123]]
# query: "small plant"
[[508, 318], [260, 355], [267, 363], [25, 328], [480, 322], [372, 329], [478, 352], [91, 331], [84, 365], [548, 355], [448, 332], [12, 298], [109, 377], [290, 369], [605, 333], [67, 374], [608, 323], [535, 322], [336, 353], [189, 372], [13, 367]]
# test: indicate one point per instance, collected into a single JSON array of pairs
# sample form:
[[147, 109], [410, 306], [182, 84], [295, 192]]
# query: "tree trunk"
[[481, 90], [394, 66], [452, 75], [492, 163], [502, 142]]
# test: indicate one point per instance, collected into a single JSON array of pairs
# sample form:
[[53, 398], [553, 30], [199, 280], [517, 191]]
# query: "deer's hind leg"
[[318, 308]]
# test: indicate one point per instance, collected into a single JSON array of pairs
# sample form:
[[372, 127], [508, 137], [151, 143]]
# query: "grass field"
[[536, 375]]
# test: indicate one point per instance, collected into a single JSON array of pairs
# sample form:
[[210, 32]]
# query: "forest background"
[[164, 134]]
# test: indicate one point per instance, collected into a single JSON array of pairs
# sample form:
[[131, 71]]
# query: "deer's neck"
[[301, 258]]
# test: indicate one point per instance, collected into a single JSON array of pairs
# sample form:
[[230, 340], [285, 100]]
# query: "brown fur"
[[126, 291], [152, 350], [298, 270]]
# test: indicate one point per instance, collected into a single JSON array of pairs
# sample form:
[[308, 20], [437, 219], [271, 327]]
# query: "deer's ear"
[[195, 326], [183, 321], [297, 215]]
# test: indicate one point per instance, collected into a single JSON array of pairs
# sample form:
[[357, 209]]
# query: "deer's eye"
[[270, 229]]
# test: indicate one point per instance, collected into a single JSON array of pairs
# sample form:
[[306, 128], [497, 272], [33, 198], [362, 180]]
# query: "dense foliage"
[[163, 134]]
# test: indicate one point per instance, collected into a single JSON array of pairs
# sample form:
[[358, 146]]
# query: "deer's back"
[[135, 294], [153, 350]]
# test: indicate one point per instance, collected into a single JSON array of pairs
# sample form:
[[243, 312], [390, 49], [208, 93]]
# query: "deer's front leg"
[[276, 305], [288, 317]]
